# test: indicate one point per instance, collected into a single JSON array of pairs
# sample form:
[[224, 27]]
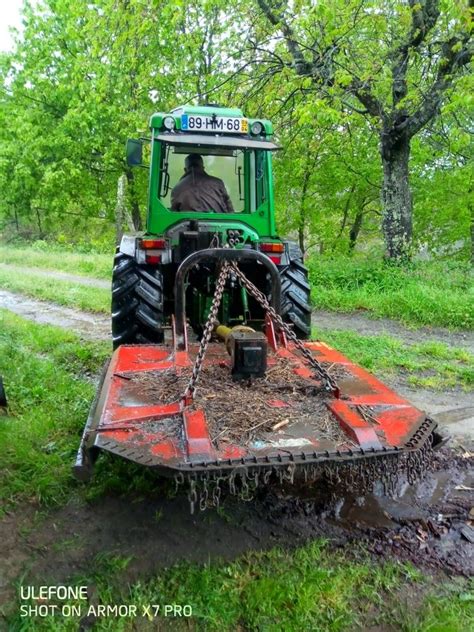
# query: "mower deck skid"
[[137, 424]]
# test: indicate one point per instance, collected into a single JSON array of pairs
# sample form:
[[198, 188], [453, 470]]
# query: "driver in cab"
[[198, 191]]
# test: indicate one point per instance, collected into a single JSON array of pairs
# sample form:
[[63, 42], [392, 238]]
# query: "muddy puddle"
[[430, 525], [88, 325]]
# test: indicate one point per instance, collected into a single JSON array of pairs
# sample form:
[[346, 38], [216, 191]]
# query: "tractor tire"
[[137, 303], [295, 294]]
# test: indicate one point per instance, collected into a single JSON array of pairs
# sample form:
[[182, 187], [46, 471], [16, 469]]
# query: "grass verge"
[[46, 372], [61, 292], [41, 255], [429, 293], [429, 364], [309, 588]]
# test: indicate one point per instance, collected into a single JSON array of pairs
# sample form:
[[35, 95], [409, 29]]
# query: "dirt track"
[[361, 323], [86, 324]]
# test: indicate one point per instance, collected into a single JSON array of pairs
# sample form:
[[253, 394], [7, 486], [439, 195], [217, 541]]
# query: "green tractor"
[[238, 151]]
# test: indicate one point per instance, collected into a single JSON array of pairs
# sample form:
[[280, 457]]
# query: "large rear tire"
[[295, 294], [137, 302]]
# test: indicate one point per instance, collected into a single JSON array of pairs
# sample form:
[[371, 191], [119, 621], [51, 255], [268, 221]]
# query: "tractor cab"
[[235, 149]]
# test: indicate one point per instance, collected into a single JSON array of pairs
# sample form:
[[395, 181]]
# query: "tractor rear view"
[[213, 379]]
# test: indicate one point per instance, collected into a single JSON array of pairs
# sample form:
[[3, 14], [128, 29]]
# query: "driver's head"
[[193, 161]]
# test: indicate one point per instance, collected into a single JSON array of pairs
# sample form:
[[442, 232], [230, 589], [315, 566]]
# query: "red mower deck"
[[175, 438]]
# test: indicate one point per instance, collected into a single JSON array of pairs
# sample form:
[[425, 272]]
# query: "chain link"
[[207, 333]]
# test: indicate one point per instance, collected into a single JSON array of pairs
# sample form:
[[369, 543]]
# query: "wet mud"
[[88, 325], [430, 525]]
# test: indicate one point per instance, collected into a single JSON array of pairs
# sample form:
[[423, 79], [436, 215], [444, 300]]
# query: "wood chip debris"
[[239, 412]]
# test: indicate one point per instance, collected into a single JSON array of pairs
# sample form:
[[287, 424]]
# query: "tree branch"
[[302, 66], [456, 53]]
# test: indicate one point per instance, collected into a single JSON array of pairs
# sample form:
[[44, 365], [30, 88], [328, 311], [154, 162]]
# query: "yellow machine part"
[[225, 332]]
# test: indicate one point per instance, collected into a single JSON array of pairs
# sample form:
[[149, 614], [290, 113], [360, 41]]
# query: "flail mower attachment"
[[185, 410]]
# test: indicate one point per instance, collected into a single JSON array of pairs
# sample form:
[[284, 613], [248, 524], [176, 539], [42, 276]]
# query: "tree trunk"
[[396, 197], [120, 209], [136, 217], [355, 230]]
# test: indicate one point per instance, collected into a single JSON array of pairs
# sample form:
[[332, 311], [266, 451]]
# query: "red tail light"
[[272, 247], [154, 244], [153, 259], [275, 258]]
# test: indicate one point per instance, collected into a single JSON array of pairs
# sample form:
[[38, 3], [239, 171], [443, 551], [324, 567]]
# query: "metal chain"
[[208, 329], [329, 382]]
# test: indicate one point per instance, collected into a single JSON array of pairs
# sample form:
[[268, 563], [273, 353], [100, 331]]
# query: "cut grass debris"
[[61, 292], [428, 364], [429, 293], [41, 255], [309, 588]]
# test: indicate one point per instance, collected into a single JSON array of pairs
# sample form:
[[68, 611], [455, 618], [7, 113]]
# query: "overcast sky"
[[9, 16]]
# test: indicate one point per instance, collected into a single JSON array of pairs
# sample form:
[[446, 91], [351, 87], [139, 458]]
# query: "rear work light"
[[272, 247], [154, 244]]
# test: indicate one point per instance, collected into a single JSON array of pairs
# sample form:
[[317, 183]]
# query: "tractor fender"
[[128, 244]]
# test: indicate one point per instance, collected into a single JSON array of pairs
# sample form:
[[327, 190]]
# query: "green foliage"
[[85, 76], [423, 293]]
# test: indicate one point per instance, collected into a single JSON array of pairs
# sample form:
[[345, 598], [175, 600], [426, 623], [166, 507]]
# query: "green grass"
[[46, 372], [429, 364], [309, 588], [62, 292], [424, 293], [41, 255]]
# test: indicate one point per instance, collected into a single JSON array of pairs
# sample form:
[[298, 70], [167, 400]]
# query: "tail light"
[[272, 247], [275, 258], [153, 259], [154, 250], [153, 244]]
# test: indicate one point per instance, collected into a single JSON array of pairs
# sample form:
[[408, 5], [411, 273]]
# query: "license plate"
[[222, 124]]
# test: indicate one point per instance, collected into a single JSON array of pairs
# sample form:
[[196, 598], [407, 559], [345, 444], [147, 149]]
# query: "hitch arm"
[[217, 254]]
